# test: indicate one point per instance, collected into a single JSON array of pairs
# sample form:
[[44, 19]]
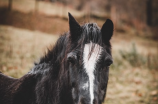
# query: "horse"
[[74, 71]]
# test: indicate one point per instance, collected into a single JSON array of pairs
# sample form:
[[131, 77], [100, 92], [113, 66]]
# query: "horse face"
[[89, 60]]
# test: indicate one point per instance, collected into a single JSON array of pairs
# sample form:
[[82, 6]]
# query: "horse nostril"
[[94, 101], [83, 101]]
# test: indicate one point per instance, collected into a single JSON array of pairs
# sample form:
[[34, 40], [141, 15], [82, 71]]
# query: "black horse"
[[75, 71]]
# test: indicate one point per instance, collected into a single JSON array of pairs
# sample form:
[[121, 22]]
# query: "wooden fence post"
[[149, 12], [36, 6], [10, 5]]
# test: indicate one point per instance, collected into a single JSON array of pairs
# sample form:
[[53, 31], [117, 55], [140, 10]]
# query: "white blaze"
[[90, 64]]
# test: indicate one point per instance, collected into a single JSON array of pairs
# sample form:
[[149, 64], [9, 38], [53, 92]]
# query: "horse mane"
[[57, 53], [53, 60], [51, 70]]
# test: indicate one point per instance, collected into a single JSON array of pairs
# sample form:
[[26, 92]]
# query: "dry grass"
[[132, 86], [130, 83], [20, 48]]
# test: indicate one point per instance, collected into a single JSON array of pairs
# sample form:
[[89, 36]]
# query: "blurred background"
[[29, 27]]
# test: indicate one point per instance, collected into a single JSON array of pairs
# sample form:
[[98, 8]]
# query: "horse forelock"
[[90, 33]]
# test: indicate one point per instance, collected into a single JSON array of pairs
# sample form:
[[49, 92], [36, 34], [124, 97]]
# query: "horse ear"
[[75, 29], [107, 30]]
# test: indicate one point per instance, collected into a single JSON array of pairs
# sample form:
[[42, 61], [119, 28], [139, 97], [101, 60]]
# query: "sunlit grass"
[[21, 48]]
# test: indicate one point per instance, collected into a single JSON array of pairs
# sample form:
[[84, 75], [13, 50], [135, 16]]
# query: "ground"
[[25, 35], [20, 48]]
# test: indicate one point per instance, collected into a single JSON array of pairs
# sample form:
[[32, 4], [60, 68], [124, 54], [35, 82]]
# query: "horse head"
[[89, 57]]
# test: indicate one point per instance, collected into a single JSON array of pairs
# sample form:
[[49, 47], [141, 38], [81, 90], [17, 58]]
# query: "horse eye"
[[72, 57], [73, 84], [108, 61]]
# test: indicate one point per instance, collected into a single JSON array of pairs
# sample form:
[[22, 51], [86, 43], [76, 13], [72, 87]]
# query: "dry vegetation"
[[133, 76], [19, 49]]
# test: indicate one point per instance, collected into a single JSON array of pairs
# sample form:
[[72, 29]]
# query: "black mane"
[[51, 66], [57, 53]]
